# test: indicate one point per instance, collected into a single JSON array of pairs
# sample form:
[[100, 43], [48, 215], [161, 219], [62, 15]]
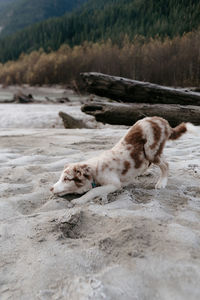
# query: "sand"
[[143, 244]]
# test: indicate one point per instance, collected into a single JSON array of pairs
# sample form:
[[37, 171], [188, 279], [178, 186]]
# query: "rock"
[[70, 122], [70, 223]]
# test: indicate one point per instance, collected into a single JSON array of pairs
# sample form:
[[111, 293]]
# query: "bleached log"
[[127, 90]]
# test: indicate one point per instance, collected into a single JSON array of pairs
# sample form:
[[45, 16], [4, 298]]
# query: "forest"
[[174, 62], [98, 21]]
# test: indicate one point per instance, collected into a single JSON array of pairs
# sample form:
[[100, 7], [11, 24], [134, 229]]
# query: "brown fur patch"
[[78, 182], [86, 171], [129, 148], [136, 156], [76, 170], [135, 137], [84, 166], [80, 172], [156, 132], [161, 147], [165, 123], [127, 166], [159, 152], [88, 176], [178, 131], [157, 136]]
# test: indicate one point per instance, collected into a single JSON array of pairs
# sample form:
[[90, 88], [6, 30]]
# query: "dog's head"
[[75, 179]]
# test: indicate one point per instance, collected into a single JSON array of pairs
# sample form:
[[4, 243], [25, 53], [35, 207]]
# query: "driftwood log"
[[123, 114], [22, 98], [127, 90], [58, 100]]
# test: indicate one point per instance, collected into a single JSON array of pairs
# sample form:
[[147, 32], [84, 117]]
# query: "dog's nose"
[[51, 189]]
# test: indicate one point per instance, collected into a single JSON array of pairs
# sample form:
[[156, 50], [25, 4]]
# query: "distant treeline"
[[99, 20], [174, 62]]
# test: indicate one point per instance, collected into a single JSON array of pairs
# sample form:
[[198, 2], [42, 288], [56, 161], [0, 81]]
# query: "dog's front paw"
[[81, 200], [104, 199], [70, 204]]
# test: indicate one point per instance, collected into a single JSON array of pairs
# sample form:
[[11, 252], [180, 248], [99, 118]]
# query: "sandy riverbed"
[[144, 244]]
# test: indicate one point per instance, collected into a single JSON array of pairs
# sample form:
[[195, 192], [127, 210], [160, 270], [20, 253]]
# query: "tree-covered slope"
[[103, 19], [18, 14], [5, 3], [4, 8]]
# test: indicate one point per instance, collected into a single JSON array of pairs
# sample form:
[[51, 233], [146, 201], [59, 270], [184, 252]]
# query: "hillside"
[[18, 14], [100, 20], [5, 3]]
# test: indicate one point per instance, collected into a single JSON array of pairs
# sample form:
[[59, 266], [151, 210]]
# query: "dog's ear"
[[82, 171], [87, 171], [78, 172], [69, 172], [65, 166]]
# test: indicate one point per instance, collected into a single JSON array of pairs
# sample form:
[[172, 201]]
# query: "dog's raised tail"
[[179, 130]]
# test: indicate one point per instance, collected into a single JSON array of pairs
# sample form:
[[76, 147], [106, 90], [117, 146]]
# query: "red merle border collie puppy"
[[130, 157]]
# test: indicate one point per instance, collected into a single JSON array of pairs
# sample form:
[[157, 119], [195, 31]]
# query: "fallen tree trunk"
[[123, 114], [127, 90]]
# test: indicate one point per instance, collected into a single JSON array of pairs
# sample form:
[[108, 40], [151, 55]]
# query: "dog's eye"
[[76, 179]]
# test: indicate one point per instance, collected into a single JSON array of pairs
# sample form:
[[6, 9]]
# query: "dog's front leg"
[[96, 192]]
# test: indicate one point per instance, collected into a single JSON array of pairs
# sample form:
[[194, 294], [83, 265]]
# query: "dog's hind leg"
[[162, 181]]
